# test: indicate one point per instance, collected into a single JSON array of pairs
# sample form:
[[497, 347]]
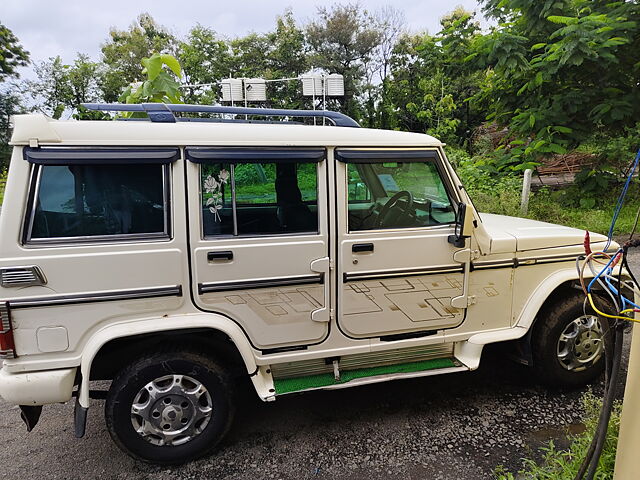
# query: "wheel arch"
[[564, 282], [208, 327]]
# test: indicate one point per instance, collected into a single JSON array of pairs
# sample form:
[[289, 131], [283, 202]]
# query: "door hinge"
[[332, 314]]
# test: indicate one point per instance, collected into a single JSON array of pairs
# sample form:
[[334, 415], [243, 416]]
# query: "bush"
[[564, 464]]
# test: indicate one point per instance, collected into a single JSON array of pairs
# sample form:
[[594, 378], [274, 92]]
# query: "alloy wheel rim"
[[171, 410], [580, 344]]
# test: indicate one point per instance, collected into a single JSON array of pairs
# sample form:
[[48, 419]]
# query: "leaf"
[[532, 120], [555, 148], [171, 62], [538, 46], [562, 129], [562, 19], [539, 80], [153, 66]]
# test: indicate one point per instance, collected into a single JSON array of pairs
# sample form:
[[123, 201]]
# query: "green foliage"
[[560, 70], [563, 465], [124, 50], [432, 80], [60, 86], [160, 85], [12, 55], [10, 104]]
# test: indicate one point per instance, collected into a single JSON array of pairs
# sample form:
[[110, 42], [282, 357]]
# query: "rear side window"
[[89, 196]]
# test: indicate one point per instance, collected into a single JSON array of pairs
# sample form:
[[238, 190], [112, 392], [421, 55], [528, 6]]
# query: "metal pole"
[[526, 191]]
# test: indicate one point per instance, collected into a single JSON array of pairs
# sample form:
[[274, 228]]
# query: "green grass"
[[551, 207], [287, 385], [563, 464]]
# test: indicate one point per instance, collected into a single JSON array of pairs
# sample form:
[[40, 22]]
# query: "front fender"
[[528, 314], [151, 325]]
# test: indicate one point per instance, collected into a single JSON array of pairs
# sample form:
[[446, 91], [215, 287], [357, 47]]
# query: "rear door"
[[99, 242], [259, 240], [396, 271]]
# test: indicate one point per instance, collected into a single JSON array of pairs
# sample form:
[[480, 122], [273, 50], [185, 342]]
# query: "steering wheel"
[[384, 215]]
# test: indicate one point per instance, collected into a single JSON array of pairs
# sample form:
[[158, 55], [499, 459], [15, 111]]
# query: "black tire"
[[556, 317], [128, 384]]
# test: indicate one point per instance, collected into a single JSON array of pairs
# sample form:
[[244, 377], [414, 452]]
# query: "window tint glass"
[[217, 210], [396, 195], [270, 198], [97, 200]]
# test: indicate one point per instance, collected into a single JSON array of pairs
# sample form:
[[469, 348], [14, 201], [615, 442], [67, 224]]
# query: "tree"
[[10, 104], [205, 59], [287, 59], [560, 70], [50, 91], [124, 50], [431, 81], [343, 40], [12, 55], [61, 87], [392, 25]]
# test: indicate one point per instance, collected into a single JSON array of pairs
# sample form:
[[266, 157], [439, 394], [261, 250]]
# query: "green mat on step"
[[287, 385]]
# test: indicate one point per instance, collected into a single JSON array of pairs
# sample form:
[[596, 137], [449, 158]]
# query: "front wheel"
[[169, 408], [569, 343]]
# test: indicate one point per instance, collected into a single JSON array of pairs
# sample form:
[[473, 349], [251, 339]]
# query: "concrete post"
[[526, 191]]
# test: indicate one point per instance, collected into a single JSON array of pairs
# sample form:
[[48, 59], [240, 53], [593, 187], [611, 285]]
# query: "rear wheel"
[[569, 343], [169, 408]]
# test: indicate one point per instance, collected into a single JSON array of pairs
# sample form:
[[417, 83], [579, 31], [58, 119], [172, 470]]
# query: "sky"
[[47, 28]]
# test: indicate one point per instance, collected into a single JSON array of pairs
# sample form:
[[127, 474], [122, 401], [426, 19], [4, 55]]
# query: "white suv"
[[174, 255]]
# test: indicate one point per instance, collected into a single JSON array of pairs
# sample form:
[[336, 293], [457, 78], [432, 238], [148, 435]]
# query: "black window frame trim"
[[385, 155], [62, 156], [34, 187], [255, 154]]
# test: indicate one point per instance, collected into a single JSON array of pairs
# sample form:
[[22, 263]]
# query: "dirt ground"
[[458, 426]]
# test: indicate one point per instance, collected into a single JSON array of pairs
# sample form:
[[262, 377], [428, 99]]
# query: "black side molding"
[[405, 336], [275, 282]]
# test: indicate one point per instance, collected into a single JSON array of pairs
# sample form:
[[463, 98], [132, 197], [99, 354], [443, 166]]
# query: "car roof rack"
[[164, 112]]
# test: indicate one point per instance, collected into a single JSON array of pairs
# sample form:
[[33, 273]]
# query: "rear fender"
[[170, 322]]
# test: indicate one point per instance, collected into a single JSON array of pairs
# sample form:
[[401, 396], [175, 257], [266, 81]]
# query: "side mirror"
[[463, 227]]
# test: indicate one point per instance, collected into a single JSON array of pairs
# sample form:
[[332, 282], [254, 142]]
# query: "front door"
[[396, 271], [259, 240]]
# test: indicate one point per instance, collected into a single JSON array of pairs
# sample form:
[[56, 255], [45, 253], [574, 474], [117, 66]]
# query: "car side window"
[[396, 195], [95, 201], [259, 198]]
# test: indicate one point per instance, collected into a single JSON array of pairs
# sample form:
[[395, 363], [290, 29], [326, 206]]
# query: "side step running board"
[[364, 376]]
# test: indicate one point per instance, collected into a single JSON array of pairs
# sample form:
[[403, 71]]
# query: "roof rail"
[[164, 112]]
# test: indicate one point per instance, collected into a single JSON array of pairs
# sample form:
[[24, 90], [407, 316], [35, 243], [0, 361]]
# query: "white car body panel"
[[517, 264]]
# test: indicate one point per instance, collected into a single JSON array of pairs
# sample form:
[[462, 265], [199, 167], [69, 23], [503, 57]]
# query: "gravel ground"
[[458, 426]]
